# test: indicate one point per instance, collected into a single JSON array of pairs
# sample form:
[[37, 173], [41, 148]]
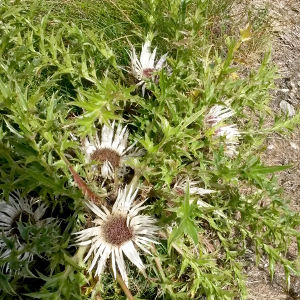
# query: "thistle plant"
[[116, 232], [111, 152], [145, 67], [155, 195], [18, 209]]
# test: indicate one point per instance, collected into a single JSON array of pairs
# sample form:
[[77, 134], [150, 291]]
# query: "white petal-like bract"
[[218, 113], [230, 133], [17, 209], [111, 151], [181, 185], [145, 66], [118, 232]]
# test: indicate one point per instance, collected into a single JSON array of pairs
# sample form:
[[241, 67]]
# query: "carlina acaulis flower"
[[111, 151], [218, 114], [118, 232], [145, 66], [194, 189], [181, 185], [19, 209]]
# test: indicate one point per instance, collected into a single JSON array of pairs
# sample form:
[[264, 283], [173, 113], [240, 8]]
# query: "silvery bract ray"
[[111, 151], [18, 209], [118, 232], [145, 66]]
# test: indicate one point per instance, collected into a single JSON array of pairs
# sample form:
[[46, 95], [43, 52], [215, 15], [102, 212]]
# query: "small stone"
[[287, 108], [284, 90], [294, 146], [270, 147]]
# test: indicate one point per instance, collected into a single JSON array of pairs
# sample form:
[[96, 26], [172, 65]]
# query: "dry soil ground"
[[285, 16]]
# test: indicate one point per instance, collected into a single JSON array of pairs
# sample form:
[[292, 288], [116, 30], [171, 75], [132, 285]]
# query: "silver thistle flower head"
[[111, 150], [17, 209], [230, 132], [145, 66], [218, 114], [118, 232], [181, 185]]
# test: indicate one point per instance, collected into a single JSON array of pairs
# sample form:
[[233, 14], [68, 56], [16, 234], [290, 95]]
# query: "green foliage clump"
[[60, 82]]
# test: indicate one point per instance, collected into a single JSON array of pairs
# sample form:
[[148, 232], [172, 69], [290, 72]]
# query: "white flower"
[[180, 187], [116, 233], [111, 151], [218, 113], [144, 67], [181, 184], [231, 134], [18, 209]]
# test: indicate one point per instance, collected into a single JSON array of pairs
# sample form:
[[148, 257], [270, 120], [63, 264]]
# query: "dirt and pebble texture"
[[285, 27], [286, 55]]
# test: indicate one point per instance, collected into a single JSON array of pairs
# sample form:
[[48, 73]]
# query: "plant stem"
[[158, 264], [78, 257], [135, 180], [86, 191], [123, 286]]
